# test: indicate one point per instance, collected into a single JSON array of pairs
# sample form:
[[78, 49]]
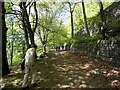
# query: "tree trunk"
[[26, 37], [72, 26], [104, 24], [85, 18], [102, 13], [71, 15], [44, 43], [5, 67], [31, 34], [23, 48], [24, 24], [28, 29], [27, 23], [12, 44], [44, 49], [11, 53], [25, 32]]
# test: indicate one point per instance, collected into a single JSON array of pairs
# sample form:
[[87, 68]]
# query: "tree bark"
[[5, 67], [85, 18], [25, 31], [12, 43], [26, 36], [11, 53], [31, 34]]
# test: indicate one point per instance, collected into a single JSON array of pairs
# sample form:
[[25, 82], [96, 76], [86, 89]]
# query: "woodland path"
[[66, 69]]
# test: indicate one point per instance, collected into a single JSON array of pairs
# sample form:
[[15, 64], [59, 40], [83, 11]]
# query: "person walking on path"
[[30, 66]]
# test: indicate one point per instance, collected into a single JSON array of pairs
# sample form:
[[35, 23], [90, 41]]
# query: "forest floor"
[[66, 69]]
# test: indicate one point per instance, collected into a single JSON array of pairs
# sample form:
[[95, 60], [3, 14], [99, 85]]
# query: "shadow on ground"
[[65, 69]]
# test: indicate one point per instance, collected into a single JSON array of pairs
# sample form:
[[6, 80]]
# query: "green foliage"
[[58, 36], [92, 12], [8, 7], [88, 39], [17, 58], [92, 8], [14, 39], [50, 27], [95, 19], [114, 24]]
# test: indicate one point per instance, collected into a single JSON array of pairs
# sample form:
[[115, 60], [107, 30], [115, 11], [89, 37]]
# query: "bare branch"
[[30, 8], [28, 4], [39, 34], [12, 13], [74, 7]]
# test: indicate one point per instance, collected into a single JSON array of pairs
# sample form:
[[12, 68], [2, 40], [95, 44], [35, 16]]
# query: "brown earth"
[[66, 69]]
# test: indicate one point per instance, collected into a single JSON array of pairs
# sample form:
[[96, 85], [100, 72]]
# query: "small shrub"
[[88, 39]]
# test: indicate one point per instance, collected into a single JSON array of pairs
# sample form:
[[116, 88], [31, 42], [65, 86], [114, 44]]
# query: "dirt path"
[[67, 70]]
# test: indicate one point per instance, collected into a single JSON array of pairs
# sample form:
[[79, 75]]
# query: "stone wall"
[[113, 12], [108, 50]]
